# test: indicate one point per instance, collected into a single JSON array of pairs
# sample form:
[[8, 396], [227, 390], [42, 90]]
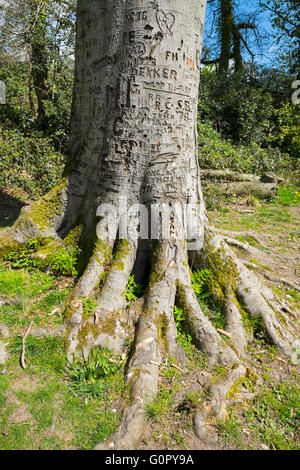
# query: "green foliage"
[[238, 105], [28, 162], [199, 282], [195, 357], [99, 364], [183, 338], [287, 137], [219, 154], [133, 290], [274, 415], [64, 261]]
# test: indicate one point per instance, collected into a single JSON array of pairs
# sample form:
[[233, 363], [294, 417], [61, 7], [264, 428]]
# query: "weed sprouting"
[[133, 290]]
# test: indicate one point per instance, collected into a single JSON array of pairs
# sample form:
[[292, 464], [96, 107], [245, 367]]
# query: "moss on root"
[[122, 250], [43, 212], [224, 273], [248, 381]]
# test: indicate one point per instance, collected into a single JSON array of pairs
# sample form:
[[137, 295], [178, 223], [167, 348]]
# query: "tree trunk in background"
[[226, 30], [39, 55]]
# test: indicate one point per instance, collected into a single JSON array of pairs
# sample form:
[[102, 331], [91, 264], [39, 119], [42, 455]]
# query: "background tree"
[[285, 16], [39, 34]]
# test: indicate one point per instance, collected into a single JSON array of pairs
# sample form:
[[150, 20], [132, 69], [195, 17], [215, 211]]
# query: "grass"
[[42, 407], [56, 415], [162, 403], [229, 430], [288, 196], [274, 415]]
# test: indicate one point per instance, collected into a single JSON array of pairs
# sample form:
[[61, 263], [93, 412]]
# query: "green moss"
[[181, 300], [109, 326], [158, 264], [122, 250], [88, 329], [9, 244], [73, 237], [248, 381], [162, 330], [44, 211], [224, 273]]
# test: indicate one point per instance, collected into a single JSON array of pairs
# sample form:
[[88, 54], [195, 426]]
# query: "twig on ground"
[[23, 363]]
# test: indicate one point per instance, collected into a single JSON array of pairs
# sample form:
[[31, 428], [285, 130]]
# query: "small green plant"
[[133, 290], [162, 404], [196, 358], [199, 282], [88, 306], [99, 365], [23, 259], [64, 262], [183, 338]]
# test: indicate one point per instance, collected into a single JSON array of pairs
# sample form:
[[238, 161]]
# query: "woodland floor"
[[41, 408]]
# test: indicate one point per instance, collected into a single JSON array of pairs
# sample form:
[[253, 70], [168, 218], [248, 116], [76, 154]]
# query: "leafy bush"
[[240, 108], [219, 154], [28, 162], [288, 137]]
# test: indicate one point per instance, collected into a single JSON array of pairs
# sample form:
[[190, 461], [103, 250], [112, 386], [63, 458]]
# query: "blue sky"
[[265, 52]]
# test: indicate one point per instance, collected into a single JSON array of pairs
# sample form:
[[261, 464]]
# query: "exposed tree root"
[[215, 406], [271, 277], [241, 295], [232, 234]]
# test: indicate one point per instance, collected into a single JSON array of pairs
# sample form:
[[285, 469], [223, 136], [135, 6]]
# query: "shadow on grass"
[[10, 208]]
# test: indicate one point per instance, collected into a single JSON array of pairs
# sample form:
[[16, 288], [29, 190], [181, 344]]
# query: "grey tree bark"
[[134, 139]]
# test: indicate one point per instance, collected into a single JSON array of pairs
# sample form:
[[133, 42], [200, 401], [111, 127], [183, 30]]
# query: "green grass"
[[162, 403], [274, 416], [56, 416], [41, 406], [229, 430], [30, 295], [288, 196]]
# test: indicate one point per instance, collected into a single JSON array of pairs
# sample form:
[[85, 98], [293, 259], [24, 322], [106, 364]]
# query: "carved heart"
[[165, 22]]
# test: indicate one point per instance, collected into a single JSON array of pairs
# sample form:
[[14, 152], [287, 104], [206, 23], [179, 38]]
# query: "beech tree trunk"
[[131, 200], [135, 104]]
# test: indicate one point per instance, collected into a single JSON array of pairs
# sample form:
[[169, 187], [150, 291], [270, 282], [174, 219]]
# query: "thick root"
[[215, 406], [244, 295], [150, 343]]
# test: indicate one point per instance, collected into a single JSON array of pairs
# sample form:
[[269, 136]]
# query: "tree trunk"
[[134, 154], [226, 30], [39, 55]]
